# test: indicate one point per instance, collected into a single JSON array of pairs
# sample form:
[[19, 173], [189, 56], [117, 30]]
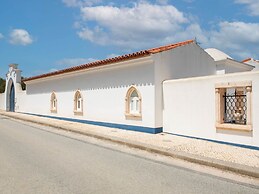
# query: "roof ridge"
[[245, 60], [169, 46], [107, 61]]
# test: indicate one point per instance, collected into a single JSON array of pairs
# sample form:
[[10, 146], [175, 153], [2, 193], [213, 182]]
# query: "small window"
[[133, 102], [53, 103], [78, 103], [233, 106]]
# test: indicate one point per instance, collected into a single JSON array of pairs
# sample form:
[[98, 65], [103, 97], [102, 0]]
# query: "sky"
[[44, 36]]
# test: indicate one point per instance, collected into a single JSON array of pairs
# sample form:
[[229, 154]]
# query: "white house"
[[149, 91], [124, 91], [226, 64], [252, 62]]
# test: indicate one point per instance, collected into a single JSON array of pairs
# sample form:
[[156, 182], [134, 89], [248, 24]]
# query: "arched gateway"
[[13, 77], [10, 98]]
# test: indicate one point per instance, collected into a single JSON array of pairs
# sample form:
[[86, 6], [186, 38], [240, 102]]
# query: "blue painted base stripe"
[[217, 141], [104, 124]]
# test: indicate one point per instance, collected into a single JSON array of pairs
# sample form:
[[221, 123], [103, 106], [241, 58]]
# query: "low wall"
[[2, 101], [190, 108], [21, 101]]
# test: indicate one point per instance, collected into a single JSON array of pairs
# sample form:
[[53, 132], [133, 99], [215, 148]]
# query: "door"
[[12, 97]]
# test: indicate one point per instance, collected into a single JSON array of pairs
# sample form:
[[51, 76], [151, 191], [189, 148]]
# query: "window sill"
[[133, 116], [234, 127], [79, 113]]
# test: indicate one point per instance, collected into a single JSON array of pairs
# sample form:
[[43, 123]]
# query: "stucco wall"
[[103, 90], [20, 100], [186, 61], [231, 67], [2, 101], [189, 108]]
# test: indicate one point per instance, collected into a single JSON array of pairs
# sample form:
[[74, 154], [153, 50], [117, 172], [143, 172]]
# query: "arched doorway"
[[11, 98]]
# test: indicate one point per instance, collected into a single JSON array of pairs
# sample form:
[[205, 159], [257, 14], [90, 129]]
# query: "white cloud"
[[237, 38], [69, 62], [112, 55], [131, 27], [1, 36], [52, 70], [162, 2], [146, 25], [253, 6], [80, 3], [20, 37]]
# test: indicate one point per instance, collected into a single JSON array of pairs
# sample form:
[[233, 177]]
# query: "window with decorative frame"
[[233, 106], [133, 103], [53, 103], [78, 103]]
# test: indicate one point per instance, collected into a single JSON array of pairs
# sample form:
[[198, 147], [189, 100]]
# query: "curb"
[[219, 164]]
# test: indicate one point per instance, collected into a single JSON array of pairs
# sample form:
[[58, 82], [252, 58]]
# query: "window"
[[233, 106], [53, 103], [78, 103], [133, 102]]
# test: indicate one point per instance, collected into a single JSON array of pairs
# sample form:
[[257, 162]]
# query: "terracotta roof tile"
[[245, 60], [112, 60], [168, 47]]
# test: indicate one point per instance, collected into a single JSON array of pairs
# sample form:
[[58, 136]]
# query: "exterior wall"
[[2, 101], [256, 67], [186, 61], [190, 108], [226, 66], [21, 100], [103, 91], [254, 63]]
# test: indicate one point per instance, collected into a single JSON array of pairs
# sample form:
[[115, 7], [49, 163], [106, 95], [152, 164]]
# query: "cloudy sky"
[[43, 36]]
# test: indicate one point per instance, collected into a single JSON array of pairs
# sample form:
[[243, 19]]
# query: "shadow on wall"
[[118, 77]]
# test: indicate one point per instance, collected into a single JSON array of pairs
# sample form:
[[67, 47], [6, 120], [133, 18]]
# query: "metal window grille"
[[235, 108]]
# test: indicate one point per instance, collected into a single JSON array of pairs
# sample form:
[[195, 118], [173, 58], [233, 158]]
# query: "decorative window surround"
[[53, 103], [133, 104], [220, 90], [78, 103]]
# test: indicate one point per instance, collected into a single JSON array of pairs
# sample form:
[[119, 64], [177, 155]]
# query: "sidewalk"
[[226, 157]]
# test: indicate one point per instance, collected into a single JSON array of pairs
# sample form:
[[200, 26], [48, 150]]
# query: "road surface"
[[33, 160]]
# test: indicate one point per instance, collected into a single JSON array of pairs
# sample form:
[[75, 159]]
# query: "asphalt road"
[[33, 160]]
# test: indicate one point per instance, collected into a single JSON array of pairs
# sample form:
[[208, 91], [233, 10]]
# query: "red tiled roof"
[[245, 60], [112, 60]]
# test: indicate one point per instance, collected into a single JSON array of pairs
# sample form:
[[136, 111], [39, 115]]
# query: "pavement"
[[231, 158]]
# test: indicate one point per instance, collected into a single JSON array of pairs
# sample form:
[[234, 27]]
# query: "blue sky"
[[43, 36]]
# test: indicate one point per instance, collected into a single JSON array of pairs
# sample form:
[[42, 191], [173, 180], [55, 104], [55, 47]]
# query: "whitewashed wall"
[[20, 100], [2, 101], [103, 90], [185, 61], [230, 66], [189, 108]]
